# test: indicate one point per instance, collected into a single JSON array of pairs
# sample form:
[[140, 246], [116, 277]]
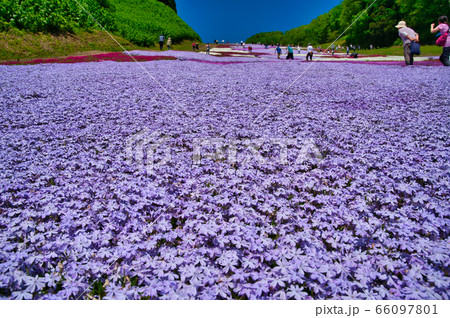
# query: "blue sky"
[[237, 20]]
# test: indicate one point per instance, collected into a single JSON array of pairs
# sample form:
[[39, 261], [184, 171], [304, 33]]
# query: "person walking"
[[290, 53], [278, 50], [169, 43], [310, 52], [193, 46], [299, 50], [161, 42], [407, 35], [208, 48], [443, 29]]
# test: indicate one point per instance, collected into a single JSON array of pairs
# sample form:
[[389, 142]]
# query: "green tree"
[[170, 3], [419, 14], [267, 37]]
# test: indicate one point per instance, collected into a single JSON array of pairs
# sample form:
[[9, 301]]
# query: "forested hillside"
[[267, 37], [376, 27], [140, 21]]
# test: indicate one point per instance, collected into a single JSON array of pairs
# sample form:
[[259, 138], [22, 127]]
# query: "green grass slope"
[[142, 21], [19, 45]]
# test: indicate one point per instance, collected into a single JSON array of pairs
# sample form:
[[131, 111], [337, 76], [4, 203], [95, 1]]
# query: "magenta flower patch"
[[116, 57]]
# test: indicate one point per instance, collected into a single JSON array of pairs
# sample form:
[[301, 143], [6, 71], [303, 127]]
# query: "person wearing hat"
[[407, 35], [310, 51]]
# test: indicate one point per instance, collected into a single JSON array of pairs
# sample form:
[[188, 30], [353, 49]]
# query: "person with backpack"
[[444, 39], [408, 36]]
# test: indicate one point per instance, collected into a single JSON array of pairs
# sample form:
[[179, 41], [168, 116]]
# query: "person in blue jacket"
[[278, 49]]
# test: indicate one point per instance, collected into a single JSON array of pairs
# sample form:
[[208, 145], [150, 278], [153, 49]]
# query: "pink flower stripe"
[[115, 56], [391, 63]]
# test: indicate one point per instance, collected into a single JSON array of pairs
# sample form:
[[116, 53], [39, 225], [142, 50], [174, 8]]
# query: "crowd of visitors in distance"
[[408, 36]]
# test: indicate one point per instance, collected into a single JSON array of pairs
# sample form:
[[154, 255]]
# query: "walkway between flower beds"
[[224, 56], [236, 55]]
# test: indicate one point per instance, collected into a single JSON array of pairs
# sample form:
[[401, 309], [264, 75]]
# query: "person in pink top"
[[443, 28], [407, 35]]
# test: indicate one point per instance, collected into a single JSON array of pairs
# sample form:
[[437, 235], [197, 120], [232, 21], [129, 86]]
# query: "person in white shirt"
[[407, 35], [310, 52]]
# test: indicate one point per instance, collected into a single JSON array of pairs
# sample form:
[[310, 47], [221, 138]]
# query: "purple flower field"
[[84, 216]]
